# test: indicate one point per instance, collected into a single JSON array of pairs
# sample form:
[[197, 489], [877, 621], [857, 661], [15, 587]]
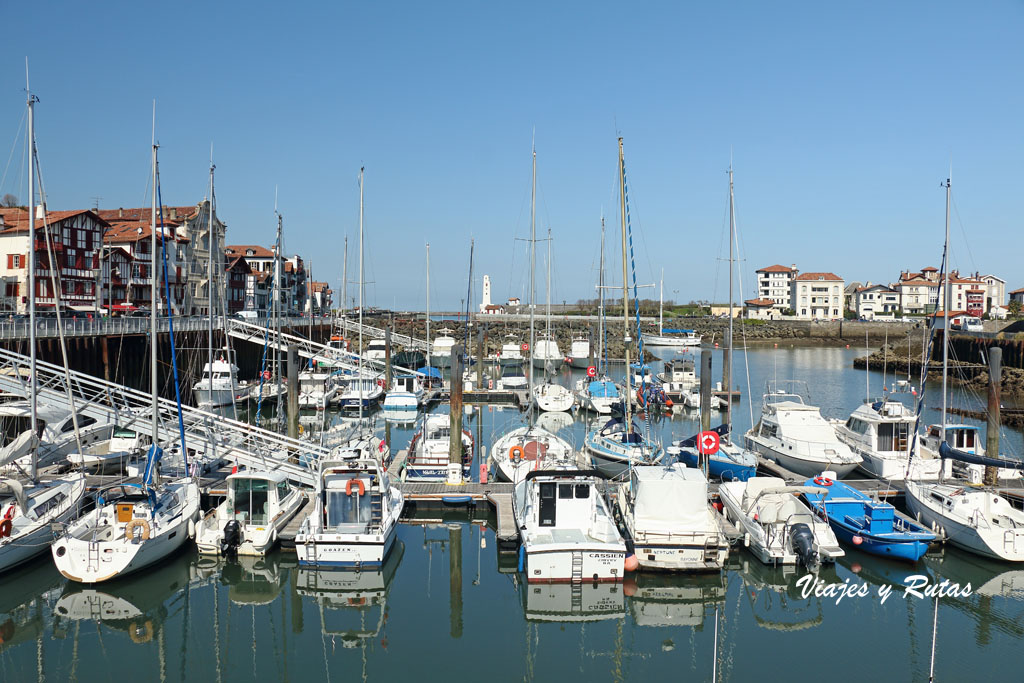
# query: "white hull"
[[807, 465], [550, 563], [672, 342], [352, 551], [257, 540], [30, 537], [553, 397], [979, 522]]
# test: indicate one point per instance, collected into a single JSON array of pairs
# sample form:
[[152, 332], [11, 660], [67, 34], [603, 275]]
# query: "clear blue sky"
[[842, 119]]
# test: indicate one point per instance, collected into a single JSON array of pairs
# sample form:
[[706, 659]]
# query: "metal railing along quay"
[[17, 329]]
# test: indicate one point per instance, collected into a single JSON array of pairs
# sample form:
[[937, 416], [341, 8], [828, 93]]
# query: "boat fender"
[[129, 529], [191, 529], [5, 528], [857, 540], [273, 537], [522, 556], [823, 481], [746, 540], [632, 563], [515, 454], [357, 482], [802, 539]]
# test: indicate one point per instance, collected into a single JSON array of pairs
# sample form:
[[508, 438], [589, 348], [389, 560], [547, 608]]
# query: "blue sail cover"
[[602, 389]]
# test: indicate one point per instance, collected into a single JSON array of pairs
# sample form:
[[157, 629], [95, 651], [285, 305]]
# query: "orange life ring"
[[129, 529], [823, 481], [515, 453], [5, 528], [359, 483], [380, 383], [525, 347]]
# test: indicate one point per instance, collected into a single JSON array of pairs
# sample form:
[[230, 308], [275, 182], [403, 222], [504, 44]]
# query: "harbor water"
[[449, 603]]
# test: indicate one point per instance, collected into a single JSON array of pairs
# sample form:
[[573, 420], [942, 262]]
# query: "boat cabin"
[[351, 496], [959, 436], [563, 499], [255, 497]]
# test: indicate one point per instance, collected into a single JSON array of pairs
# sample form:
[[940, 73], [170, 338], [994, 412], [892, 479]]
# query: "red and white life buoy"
[[591, 371], [525, 347], [823, 481]]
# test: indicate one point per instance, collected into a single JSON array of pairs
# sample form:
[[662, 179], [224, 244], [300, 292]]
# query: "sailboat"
[[731, 462], [615, 445], [974, 519], [30, 509], [548, 395], [683, 338], [133, 525], [597, 392], [530, 447]]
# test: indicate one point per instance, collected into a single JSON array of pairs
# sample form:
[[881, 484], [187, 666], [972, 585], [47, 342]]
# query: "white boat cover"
[[669, 499], [21, 446]]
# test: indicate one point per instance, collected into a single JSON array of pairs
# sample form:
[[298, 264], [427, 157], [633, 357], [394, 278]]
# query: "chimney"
[[120, 212], [40, 212], [172, 213]]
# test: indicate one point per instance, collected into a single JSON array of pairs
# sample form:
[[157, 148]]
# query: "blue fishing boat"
[[871, 526]]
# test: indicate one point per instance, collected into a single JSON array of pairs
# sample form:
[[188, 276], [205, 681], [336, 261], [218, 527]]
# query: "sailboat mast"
[[732, 239], [600, 306], [548, 322], [344, 282], [661, 304], [153, 303], [359, 381], [627, 402], [277, 317], [533, 263], [209, 286], [32, 382], [947, 298], [428, 308]]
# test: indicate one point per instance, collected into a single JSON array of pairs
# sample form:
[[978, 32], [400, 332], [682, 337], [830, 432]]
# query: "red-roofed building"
[[321, 296], [129, 284], [774, 282], [76, 237], [761, 309], [817, 296]]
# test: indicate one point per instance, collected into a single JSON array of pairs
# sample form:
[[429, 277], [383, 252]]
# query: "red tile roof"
[[759, 302], [143, 214], [123, 232], [775, 269], [818, 276], [17, 220], [242, 249]]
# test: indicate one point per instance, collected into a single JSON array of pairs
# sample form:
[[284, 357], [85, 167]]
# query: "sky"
[[839, 119]]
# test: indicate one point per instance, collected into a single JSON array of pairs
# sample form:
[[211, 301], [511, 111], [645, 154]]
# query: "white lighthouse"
[[486, 289]]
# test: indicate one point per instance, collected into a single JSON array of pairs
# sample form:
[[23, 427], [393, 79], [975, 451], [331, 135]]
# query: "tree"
[[1014, 307], [9, 201]]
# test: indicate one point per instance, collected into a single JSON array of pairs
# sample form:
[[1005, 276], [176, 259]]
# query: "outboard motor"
[[802, 539], [232, 538]]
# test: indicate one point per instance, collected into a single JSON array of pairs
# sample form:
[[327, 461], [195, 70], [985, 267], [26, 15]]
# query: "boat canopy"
[[669, 498], [430, 372], [602, 389]]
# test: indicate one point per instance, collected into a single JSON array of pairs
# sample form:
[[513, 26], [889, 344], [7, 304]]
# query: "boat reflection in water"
[[353, 604], [136, 605], [997, 591], [251, 580], [26, 592], [667, 600], [777, 601], [568, 602]]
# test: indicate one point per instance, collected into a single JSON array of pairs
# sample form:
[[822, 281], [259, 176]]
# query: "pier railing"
[[17, 329]]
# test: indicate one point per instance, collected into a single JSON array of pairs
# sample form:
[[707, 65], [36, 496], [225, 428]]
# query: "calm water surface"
[[448, 603]]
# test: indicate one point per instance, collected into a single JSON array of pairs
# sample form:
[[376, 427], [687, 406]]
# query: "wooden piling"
[[995, 376]]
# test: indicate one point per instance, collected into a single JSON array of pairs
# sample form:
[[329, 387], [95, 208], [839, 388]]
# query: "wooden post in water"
[[106, 358], [455, 419], [455, 579], [293, 392], [705, 389], [995, 376]]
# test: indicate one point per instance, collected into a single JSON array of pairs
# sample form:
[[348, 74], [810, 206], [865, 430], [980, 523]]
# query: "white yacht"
[[376, 350], [111, 455], [614, 446], [547, 353], [512, 352], [355, 513], [132, 527], [355, 392], [579, 352], [797, 437], [429, 449], [673, 339], [222, 376], [977, 521], [678, 377], [778, 528], [966, 439], [313, 388], [441, 350], [670, 520], [529, 448], [258, 506], [513, 378], [881, 432], [553, 397], [566, 530], [405, 397], [29, 510]]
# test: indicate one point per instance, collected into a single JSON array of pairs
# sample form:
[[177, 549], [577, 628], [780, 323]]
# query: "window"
[[250, 501], [14, 261], [345, 510], [564, 491], [582, 490], [547, 504]]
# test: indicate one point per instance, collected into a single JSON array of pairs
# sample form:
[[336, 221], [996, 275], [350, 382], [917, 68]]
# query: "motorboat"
[[797, 437], [546, 354], [579, 352], [881, 432], [441, 351], [404, 398], [567, 533], [132, 527], [777, 526], [870, 525], [258, 506], [56, 434], [313, 388], [511, 352], [673, 338], [670, 520], [513, 378], [963, 438], [354, 516], [219, 385], [554, 397], [111, 455], [614, 446], [678, 377], [529, 448], [429, 450], [376, 351], [976, 520], [355, 392]]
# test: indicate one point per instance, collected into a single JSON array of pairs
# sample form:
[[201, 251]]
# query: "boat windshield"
[[348, 512], [249, 501]]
